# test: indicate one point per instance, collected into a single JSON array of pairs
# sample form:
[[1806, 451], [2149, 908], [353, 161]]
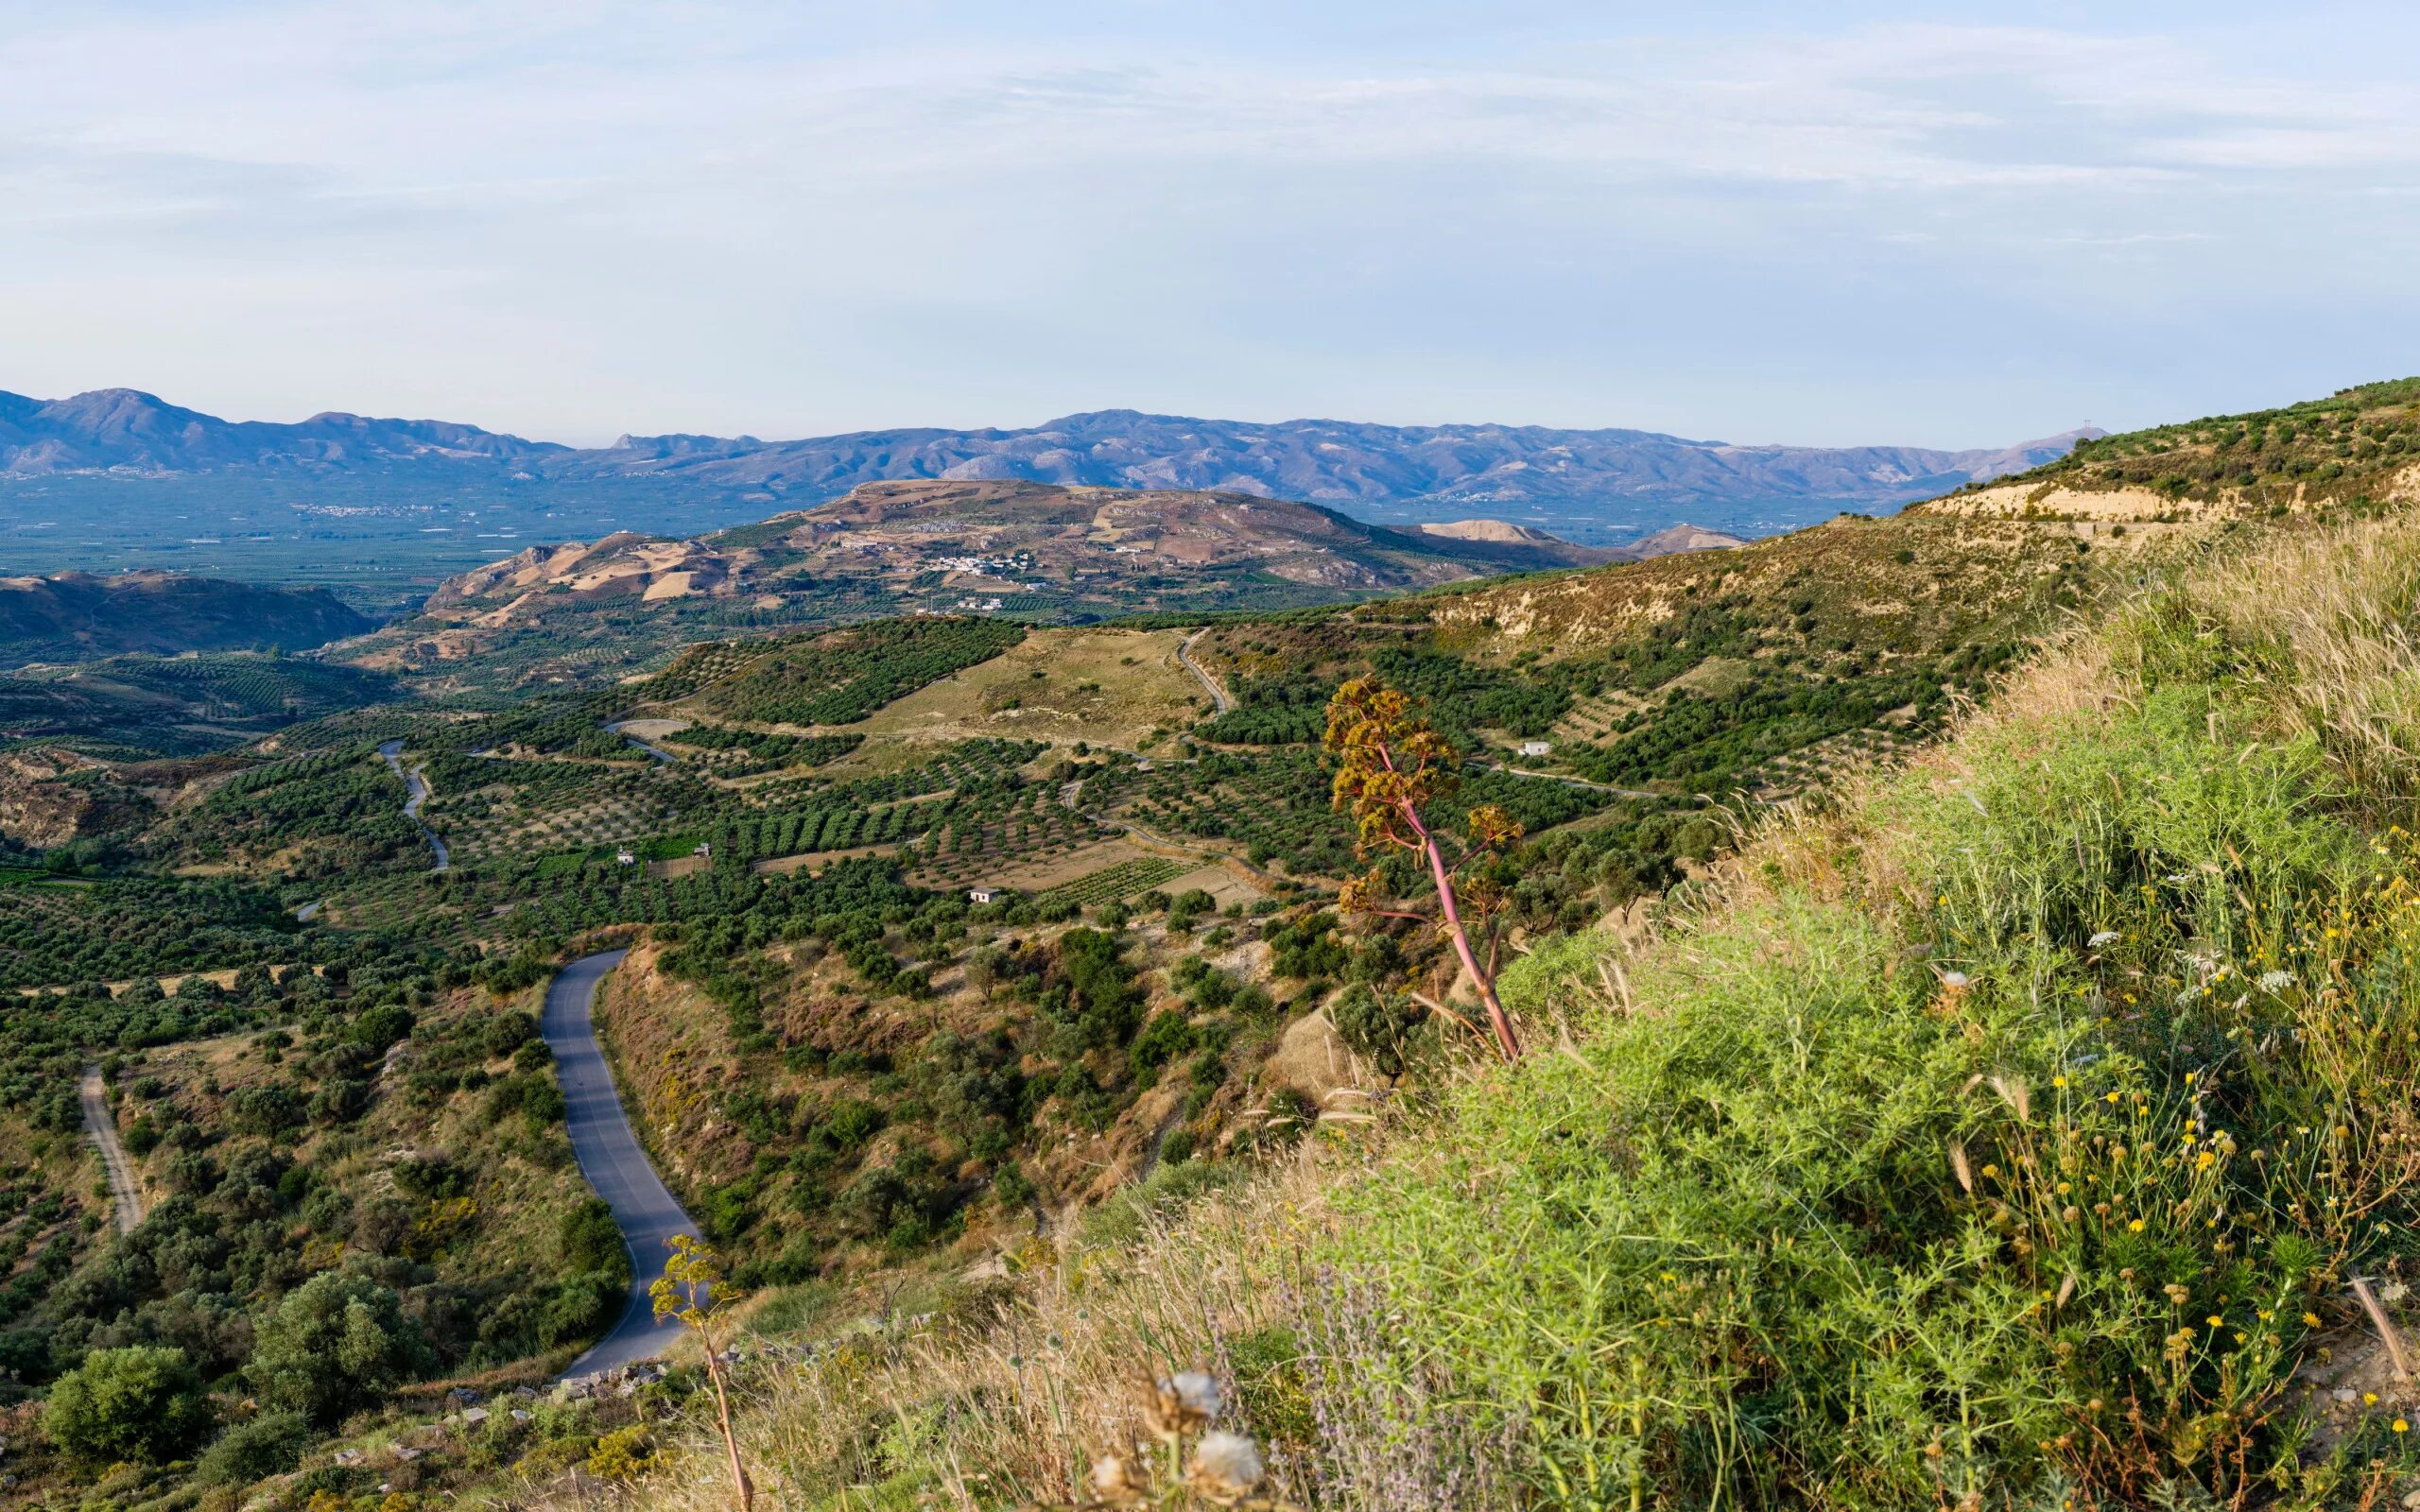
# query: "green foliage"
[[1966, 1191], [843, 676], [139, 1402], [255, 1449], [336, 1343]]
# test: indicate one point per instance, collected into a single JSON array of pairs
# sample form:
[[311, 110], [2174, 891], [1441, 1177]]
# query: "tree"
[[336, 1343], [139, 1403], [685, 1292], [1389, 765]]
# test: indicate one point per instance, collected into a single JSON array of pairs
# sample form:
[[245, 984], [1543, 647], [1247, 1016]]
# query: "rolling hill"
[[74, 616], [1040, 552]]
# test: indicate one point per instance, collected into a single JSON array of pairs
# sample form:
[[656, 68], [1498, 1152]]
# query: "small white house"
[[1536, 747], [626, 856], [982, 895], [704, 848]]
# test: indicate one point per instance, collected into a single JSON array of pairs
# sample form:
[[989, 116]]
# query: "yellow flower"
[[2402, 1426], [2369, 1399], [2136, 1226], [2310, 1320], [2111, 1097], [2217, 1321]]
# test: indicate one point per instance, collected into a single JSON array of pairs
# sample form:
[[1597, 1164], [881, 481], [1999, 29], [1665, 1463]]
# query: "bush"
[[252, 1451], [141, 1403], [336, 1343]]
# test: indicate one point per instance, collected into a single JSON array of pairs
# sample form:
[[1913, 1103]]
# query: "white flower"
[[1955, 981], [2107, 937], [2277, 981], [1226, 1466]]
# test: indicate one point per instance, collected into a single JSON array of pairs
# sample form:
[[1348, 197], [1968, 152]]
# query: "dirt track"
[[100, 1126]]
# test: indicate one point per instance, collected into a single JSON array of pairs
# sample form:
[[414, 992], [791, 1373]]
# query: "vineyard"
[[842, 676], [1128, 878]]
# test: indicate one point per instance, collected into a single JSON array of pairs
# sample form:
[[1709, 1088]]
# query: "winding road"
[[613, 1163], [101, 1127], [1222, 704], [415, 794]]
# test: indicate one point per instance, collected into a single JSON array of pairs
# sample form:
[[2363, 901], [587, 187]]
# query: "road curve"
[[1220, 703], [610, 1159], [416, 794], [101, 1127]]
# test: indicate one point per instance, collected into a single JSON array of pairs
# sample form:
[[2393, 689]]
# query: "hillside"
[[1034, 552], [1960, 1144], [2356, 448], [77, 617], [1002, 1004]]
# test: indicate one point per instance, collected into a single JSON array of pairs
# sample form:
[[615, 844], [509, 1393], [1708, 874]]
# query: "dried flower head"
[[1226, 1467], [1113, 1480], [1183, 1403]]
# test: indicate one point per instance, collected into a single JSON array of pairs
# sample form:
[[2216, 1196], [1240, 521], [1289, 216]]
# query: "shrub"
[[336, 1343], [141, 1403], [252, 1451]]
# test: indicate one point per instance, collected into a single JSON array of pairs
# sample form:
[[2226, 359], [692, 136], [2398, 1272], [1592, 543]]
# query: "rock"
[[521, 1416], [462, 1395], [405, 1454], [348, 1456], [475, 1417], [1313, 1059]]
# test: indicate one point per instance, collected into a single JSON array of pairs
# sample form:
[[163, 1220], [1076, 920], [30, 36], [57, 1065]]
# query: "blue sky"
[[1948, 225]]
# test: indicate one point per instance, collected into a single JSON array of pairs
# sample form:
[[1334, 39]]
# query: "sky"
[[1945, 224]]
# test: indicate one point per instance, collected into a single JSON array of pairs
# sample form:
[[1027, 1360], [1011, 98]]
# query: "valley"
[[977, 960]]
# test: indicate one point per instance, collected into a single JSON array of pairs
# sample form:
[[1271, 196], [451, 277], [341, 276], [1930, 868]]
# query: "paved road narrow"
[[1219, 702], [416, 794], [609, 1157], [101, 1127]]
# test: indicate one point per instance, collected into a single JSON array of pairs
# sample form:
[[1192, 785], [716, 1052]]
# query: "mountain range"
[[1626, 480]]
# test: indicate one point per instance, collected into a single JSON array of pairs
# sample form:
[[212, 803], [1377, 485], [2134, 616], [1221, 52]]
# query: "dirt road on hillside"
[[101, 1127]]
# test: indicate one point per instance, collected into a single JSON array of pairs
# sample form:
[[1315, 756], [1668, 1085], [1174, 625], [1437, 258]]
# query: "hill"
[[2354, 450], [73, 617], [1032, 551]]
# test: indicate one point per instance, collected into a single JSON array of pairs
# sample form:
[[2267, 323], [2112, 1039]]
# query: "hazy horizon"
[[1888, 225]]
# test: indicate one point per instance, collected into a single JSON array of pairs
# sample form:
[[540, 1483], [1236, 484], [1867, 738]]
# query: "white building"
[[1536, 747], [982, 895]]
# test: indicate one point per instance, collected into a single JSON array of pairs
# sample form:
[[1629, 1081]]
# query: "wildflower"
[[2058, 1081], [2111, 1098], [2106, 936], [2402, 1426], [2310, 1320], [2369, 1399], [1954, 981], [2136, 1227], [2217, 1321], [2275, 981], [1226, 1466]]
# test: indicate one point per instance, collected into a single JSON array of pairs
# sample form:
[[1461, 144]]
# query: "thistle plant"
[[1389, 765], [1193, 1464], [692, 1292]]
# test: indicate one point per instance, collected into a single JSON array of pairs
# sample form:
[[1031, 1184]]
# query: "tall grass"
[[2004, 1134]]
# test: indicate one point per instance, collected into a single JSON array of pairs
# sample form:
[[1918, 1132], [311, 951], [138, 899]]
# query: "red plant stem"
[[1505, 1041], [731, 1440]]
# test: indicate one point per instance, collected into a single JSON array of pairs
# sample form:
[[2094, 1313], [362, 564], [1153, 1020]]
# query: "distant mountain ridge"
[[1342, 464]]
